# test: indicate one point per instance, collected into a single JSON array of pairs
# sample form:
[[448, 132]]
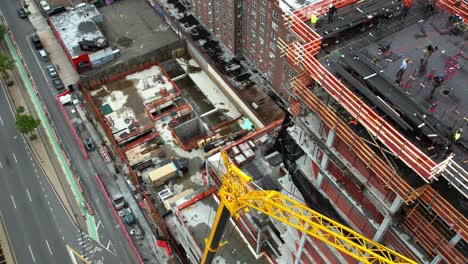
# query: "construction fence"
[[98, 77]]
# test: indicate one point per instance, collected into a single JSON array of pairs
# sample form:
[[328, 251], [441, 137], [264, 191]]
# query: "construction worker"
[[405, 8], [331, 11], [457, 135], [430, 49], [430, 7], [313, 20], [437, 81], [401, 71]]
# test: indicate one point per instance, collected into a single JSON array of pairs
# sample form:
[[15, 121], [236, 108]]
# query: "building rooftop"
[[293, 5], [367, 61], [77, 24]]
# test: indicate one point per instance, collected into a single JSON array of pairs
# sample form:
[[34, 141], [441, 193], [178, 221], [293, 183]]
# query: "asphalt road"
[[110, 235], [36, 221]]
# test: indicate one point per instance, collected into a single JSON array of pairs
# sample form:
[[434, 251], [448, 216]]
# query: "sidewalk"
[[42, 150], [51, 44], [116, 184], [46, 126]]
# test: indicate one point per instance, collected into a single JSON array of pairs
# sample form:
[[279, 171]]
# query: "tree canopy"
[[6, 65], [26, 123]]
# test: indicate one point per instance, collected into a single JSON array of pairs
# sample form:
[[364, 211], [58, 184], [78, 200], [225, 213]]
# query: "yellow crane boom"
[[237, 194]]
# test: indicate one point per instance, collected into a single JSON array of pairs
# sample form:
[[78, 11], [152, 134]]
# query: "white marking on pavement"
[[98, 224], [35, 56], [13, 200], [1, 120], [32, 255], [108, 245], [29, 195], [50, 251], [14, 156], [1, 166], [34, 165]]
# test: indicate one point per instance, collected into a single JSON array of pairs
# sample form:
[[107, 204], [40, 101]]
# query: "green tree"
[[2, 31], [26, 123], [6, 65]]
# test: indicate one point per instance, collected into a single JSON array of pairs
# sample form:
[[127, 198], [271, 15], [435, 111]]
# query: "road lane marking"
[[29, 195], [98, 224], [50, 250], [1, 120], [108, 245], [1, 166], [35, 56], [13, 200], [14, 156], [32, 255]]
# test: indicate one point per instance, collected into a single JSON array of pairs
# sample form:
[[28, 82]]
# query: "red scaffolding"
[[301, 54]]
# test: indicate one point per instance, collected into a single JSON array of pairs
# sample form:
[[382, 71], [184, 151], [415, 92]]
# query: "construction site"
[[222, 163]]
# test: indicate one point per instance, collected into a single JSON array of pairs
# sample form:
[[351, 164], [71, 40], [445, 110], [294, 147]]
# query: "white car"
[[44, 6]]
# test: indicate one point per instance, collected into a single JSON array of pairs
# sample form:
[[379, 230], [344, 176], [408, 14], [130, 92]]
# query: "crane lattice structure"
[[237, 194]]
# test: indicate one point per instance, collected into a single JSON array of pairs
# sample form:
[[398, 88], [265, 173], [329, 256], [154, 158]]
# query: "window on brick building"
[[272, 46], [272, 56], [275, 15], [273, 36], [254, 4], [274, 26], [262, 21]]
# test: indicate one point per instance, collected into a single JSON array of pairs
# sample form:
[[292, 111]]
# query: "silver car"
[[52, 72]]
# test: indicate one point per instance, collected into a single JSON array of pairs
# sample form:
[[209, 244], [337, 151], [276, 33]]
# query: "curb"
[[124, 230], [8, 240], [45, 119]]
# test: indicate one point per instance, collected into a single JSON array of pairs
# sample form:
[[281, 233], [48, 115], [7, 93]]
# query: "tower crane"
[[237, 194]]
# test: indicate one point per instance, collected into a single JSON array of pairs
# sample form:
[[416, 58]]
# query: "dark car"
[[89, 144], [58, 84], [22, 13], [36, 41], [54, 10]]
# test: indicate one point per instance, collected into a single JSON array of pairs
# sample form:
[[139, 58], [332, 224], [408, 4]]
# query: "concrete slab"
[[134, 28]]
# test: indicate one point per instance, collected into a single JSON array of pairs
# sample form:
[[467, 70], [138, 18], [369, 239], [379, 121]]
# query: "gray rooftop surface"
[[76, 24]]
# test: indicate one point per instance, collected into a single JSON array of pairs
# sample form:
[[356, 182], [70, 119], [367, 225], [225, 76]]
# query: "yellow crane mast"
[[236, 193]]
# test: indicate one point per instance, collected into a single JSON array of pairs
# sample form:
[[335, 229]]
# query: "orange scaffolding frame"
[[301, 54]]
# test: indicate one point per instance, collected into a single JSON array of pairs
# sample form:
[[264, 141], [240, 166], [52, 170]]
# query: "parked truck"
[[163, 174]]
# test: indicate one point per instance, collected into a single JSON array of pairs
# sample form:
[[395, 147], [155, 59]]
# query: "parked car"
[[119, 202], [43, 55], [54, 10], [22, 13], [44, 5], [58, 85], [36, 41], [52, 72], [89, 144]]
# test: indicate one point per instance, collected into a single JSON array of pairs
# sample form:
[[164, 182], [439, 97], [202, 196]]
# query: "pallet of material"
[[162, 174], [168, 202]]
